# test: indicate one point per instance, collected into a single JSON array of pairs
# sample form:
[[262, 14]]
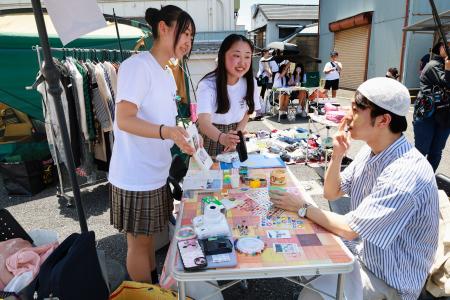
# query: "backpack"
[[71, 272]]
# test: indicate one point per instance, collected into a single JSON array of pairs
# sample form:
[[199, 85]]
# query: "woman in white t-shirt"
[[281, 80], [227, 96], [145, 130]]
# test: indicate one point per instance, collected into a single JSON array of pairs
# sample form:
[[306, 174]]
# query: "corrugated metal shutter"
[[352, 46]]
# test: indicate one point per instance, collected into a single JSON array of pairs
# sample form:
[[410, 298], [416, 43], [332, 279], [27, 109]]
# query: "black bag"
[[441, 103], [26, 178], [442, 110], [72, 271], [262, 80]]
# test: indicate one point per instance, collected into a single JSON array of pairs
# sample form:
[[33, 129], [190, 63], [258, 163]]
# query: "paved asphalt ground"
[[47, 211]]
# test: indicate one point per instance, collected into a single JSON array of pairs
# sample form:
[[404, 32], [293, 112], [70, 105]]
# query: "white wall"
[[199, 65], [208, 15]]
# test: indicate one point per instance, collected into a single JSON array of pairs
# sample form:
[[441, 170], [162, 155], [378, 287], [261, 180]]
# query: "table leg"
[[181, 290], [340, 287]]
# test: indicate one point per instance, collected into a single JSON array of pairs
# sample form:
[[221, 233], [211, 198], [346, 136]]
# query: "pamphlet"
[[200, 155]]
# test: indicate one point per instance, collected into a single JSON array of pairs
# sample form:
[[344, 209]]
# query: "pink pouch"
[[193, 109], [335, 116], [330, 107]]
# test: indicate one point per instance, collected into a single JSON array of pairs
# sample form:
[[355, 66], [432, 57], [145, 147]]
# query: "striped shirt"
[[395, 211]]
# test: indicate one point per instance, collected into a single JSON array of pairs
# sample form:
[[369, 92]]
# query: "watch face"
[[302, 212]]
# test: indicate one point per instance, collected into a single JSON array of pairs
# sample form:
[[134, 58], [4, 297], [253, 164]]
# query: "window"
[[284, 32]]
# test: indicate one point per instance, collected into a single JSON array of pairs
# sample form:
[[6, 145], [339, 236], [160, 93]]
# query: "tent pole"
[[51, 75], [437, 20], [118, 35]]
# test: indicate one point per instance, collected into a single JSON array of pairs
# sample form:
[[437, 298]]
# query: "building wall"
[[386, 33], [259, 20], [308, 44], [209, 15]]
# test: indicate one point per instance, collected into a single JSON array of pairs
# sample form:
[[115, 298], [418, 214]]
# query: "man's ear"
[[383, 121]]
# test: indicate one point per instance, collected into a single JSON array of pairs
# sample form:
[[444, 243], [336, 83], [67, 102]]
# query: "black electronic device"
[[217, 246], [241, 147]]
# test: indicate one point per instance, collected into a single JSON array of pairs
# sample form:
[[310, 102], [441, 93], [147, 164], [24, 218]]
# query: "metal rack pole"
[[51, 75]]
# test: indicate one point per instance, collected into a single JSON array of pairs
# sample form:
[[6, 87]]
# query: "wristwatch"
[[302, 210]]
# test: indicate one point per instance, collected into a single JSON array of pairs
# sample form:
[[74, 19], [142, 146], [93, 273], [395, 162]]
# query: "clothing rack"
[[80, 53], [95, 54]]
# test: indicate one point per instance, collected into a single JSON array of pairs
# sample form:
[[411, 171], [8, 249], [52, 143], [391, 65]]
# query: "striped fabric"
[[394, 209]]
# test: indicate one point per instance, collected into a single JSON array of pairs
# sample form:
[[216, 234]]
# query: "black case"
[[242, 148], [216, 246]]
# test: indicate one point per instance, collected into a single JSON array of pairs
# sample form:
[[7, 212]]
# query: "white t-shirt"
[[207, 100], [333, 74], [279, 81], [140, 163]]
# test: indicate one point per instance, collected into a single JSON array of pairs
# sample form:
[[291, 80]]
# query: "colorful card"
[[278, 234], [285, 248]]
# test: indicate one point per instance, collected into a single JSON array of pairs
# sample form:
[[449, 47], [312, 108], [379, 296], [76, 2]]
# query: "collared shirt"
[[395, 211]]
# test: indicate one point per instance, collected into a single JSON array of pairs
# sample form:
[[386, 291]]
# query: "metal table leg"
[[181, 290], [340, 287]]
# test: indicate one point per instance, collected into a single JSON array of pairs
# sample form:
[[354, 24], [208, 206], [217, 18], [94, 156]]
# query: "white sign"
[[73, 19]]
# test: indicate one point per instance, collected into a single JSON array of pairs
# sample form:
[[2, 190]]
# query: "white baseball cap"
[[387, 93]]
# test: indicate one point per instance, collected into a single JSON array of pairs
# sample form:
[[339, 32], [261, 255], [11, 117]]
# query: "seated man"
[[392, 226]]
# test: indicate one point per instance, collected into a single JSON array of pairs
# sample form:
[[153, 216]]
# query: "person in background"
[[392, 73], [393, 223], [264, 71], [144, 130], [424, 60], [280, 80], [296, 79], [332, 71], [430, 137], [227, 96]]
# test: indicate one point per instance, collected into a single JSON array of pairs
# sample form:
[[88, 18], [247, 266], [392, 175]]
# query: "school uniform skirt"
[[212, 146], [140, 212]]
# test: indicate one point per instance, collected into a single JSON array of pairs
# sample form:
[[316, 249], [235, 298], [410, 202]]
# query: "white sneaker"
[[304, 114]]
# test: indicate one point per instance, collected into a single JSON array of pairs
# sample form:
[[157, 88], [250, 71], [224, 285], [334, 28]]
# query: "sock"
[[154, 276]]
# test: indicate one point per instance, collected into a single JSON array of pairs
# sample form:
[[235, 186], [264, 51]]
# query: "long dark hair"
[[223, 102], [170, 14]]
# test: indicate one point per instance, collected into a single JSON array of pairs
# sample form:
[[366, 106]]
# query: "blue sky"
[[244, 17]]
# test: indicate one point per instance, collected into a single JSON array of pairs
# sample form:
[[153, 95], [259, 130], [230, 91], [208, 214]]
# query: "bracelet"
[[218, 139], [160, 131]]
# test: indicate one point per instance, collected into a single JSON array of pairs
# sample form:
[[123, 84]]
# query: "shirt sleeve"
[[206, 98], [347, 178], [383, 214], [133, 82], [327, 66]]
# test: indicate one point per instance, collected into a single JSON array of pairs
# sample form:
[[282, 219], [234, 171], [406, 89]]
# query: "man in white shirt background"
[[332, 72]]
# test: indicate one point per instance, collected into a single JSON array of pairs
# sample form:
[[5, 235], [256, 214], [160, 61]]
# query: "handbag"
[[71, 272], [436, 104]]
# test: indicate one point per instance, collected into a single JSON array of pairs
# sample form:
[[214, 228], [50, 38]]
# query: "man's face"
[[334, 57], [360, 123]]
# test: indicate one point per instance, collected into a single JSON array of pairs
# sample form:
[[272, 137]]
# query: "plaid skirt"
[[140, 212], [213, 147]]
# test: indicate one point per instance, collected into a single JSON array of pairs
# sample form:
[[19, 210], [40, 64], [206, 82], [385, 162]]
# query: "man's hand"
[[447, 64], [286, 201], [341, 141]]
